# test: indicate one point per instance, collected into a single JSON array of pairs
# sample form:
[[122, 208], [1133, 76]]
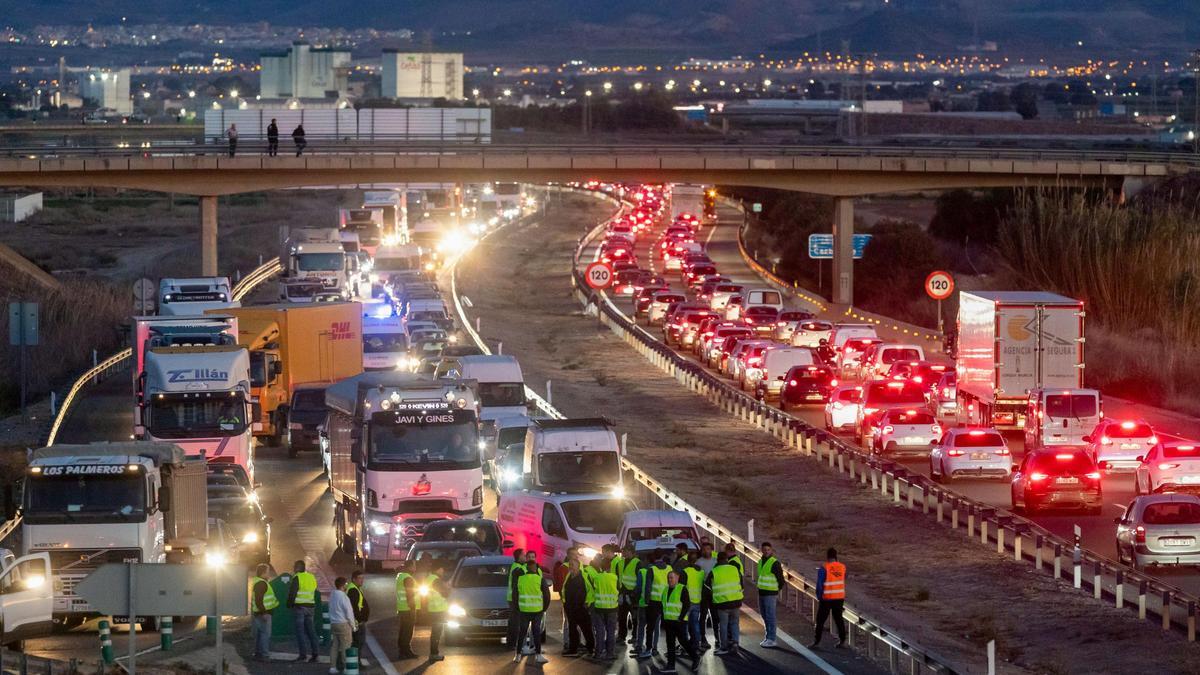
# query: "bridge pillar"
[[843, 251], [208, 235]]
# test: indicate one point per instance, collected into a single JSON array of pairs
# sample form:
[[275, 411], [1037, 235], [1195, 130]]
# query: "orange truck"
[[292, 345]]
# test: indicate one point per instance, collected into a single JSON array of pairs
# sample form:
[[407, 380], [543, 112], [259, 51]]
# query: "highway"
[[1098, 531], [294, 494]]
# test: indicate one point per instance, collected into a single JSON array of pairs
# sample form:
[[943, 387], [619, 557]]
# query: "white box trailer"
[[1012, 342]]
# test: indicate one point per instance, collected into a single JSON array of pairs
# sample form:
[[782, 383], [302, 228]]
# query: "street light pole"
[[587, 112]]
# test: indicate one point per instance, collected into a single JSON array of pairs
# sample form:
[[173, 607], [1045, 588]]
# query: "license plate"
[[1067, 481], [493, 623], [980, 455], [1177, 541], [1190, 480], [913, 440], [814, 397], [1130, 446]]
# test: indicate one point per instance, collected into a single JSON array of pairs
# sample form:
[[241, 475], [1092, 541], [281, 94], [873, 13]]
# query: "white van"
[[845, 331], [878, 359], [550, 523], [581, 455], [504, 451], [501, 385], [1060, 416], [767, 381], [385, 344], [676, 526], [763, 297]]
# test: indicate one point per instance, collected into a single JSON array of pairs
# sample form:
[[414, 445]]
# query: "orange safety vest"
[[835, 581]]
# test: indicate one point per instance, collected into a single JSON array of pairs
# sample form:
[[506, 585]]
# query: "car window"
[[1172, 513], [766, 297], [481, 576], [1062, 463], [850, 395], [983, 439], [1071, 405], [551, 522], [895, 392], [1129, 430], [893, 355], [484, 535], [1181, 452], [910, 417], [596, 515]]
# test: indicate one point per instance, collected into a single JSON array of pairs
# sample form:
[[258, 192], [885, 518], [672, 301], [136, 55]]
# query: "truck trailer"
[[1011, 343]]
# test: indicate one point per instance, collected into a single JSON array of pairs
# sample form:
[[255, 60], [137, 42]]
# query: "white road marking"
[[379, 654], [794, 644]]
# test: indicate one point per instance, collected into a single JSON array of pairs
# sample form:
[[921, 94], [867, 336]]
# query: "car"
[[922, 372], [1160, 530], [747, 354], [643, 298], [1173, 467], [422, 554], [734, 307], [844, 407], [849, 357], [624, 280], [761, 319], [769, 378], [943, 395], [807, 385], [970, 452], [249, 527], [1057, 477], [878, 357], [786, 324], [551, 523], [659, 303], [883, 395], [710, 345], [482, 532], [907, 433], [763, 297], [478, 608], [1120, 445], [811, 333], [669, 527], [721, 294], [230, 473], [689, 330]]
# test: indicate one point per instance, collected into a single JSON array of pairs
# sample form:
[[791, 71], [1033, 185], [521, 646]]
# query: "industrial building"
[[421, 75], [107, 89], [304, 72], [15, 208]]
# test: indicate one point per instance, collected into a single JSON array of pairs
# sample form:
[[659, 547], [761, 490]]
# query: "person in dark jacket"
[[298, 137], [362, 608], [574, 595], [675, 607], [272, 138]]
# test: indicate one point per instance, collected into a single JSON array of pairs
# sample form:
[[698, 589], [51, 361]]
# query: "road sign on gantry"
[[939, 285], [599, 275]]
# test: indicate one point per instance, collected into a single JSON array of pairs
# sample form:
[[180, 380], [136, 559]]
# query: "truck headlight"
[[618, 492], [380, 527], [587, 553], [507, 475], [457, 610], [250, 538]]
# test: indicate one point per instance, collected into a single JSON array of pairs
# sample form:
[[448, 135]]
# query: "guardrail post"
[[1097, 580], [924, 500], [970, 521], [983, 526], [1037, 554], [999, 537], [1166, 610], [1120, 590], [895, 489], [954, 514], [841, 460], [1077, 559], [941, 498], [1142, 587], [1058, 561]]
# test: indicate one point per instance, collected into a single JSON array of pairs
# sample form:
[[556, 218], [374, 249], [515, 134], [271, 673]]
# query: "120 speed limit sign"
[[939, 285], [599, 275]]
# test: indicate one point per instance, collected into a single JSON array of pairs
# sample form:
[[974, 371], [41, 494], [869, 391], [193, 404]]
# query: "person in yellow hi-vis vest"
[[262, 603], [532, 593], [407, 604], [676, 603], [302, 600], [831, 597], [724, 584], [514, 614], [770, 580]]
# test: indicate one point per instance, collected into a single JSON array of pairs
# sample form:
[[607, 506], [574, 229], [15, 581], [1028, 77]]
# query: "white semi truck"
[[1011, 343], [192, 387], [196, 295], [87, 505], [404, 451], [313, 255]]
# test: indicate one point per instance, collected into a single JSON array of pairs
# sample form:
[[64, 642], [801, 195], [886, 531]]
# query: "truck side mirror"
[[276, 368], [164, 498], [356, 452]]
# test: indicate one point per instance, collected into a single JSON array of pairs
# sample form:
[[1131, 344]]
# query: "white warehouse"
[[421, 75], [107, 89], [302, 71]]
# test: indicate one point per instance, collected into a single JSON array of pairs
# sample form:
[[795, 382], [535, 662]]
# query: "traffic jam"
[[1009, 414]]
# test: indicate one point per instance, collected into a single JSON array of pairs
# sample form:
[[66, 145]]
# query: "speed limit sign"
[[939, 285], [599, 275]]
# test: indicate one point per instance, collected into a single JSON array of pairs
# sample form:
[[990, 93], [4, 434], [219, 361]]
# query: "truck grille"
[[84, 560]]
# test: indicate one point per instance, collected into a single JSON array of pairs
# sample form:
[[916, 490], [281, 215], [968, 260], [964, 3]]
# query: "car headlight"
[[457, 610], [250, 538], [507, 475], [380, 527], [587, 553], [423, 590], [618, 491]]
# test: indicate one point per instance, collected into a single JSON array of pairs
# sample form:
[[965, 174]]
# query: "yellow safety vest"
[[306, 589], [694, 579], [615, 565], [529, 589], [508, 589], [726, 584], [437, 603], [737, 562], [767, 581], [350, 586], [402, 595], [269, 601], [672, 603], [643, 573], [629, 572], [659, 583], [589, 584], [606, 590]]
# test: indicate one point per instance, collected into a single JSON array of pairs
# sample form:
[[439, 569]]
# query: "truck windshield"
[[510, 436], [397, 264], [421, 441], [384, 343], [196, 415], [495, 394], [320, 262], [579, 468], [85, 498], [599, 516]]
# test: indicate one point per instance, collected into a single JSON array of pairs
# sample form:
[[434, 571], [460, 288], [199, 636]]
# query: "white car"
[[842, 409], [748, 360], [659, 304], [1120, 444], [1169, 466], [980, 453], [810, 333], [721, 295], [907, 432]]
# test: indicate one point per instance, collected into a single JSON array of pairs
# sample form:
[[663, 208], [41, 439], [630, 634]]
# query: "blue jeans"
[[260, 628], [639, 631], [694, 627], [766, 607], [730, 631], [306, 631]]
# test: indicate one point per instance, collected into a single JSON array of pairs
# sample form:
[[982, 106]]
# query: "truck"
[[403, 452], [573, 455], [687, 199], [365, 224], [195, 295], [395, 263], [1011, 343], [192, 387], [291, 345], [87, 505], [501, 386], [393, 205], [313, 255]]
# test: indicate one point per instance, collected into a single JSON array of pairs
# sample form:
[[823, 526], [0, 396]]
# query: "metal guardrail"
[[1152, 599], [407, 144], [251, 281]]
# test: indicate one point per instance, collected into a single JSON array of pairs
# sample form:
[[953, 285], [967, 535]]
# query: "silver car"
[[964, 452], [477, 605], [1160, 530]]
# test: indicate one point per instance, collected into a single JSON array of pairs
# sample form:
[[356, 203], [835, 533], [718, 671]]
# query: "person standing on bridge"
[[298, 138], [362, 609], [831, 597], [302, 600], [231, 134], [406, 608], [770, 580], [262, 603], [574, 600], [272, 138], [628, 610]]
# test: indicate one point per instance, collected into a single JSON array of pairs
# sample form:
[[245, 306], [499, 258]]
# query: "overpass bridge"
[[840, 171]]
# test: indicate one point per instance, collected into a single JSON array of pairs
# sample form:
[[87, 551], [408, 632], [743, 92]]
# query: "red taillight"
[[1038, 477], [1003, 452], [917, 379], [1105, 440], [833, 383], [955, 453], [1167, 467], [781, 324], [1094, 475], [946, 392], [847, 351], [1139, 534], [1153, 440], [792, 383], [888, 429]]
